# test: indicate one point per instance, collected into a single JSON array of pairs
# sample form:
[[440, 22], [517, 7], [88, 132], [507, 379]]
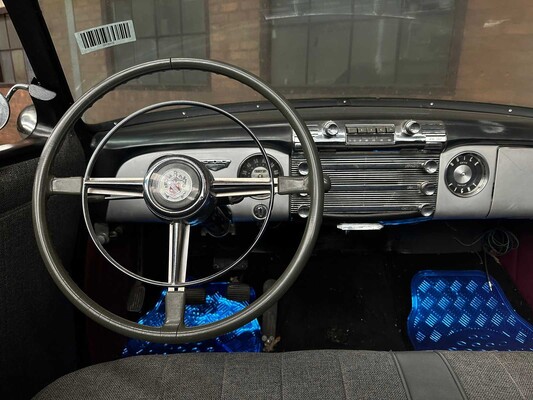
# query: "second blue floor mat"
[[457, 310]]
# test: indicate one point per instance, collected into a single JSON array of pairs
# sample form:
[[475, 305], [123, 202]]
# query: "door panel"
[[37, 330]]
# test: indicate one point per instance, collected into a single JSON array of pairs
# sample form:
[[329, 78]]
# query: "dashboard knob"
[[260, 211], [427, 210], [428, 188], [303, 169], [303, 211], [430, 166], [412, 128], [331, 129]]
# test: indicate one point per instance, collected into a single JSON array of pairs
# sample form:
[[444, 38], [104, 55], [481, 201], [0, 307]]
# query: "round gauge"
[[466, 174], [256, 167]]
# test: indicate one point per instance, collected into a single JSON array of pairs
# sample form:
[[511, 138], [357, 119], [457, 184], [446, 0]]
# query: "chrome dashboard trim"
[[134, 210], [431, 134], [378, 183]]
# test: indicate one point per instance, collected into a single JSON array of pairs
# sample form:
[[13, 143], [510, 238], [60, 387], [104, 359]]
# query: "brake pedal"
[[238, 292], [195, 295]]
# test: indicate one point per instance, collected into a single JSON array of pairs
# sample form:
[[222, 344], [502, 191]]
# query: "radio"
[[365, 134], [398, 181]]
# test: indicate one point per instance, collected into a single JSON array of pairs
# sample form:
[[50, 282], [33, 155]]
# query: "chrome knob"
[[427, 210], [303, 169], [412, 128], [428, 188], [303, 211], [430, 166], [331, 129]]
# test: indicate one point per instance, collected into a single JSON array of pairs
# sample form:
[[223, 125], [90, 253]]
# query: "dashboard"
[[391, 166]]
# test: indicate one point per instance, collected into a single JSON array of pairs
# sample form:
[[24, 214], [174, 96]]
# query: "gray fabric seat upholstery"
[[326, 374]]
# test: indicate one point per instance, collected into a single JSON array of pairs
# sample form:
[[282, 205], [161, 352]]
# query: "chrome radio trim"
[[431, 134]]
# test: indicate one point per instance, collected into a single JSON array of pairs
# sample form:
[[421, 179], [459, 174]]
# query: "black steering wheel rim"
[[170, 334]]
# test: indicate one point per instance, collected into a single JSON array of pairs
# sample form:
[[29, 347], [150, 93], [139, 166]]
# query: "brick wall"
[[19, 101], [497, 52]]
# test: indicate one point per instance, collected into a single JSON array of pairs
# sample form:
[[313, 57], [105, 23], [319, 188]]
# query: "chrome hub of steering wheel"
[[179, 188]]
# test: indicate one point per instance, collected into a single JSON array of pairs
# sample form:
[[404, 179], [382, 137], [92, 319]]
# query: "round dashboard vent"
[[466, 174]]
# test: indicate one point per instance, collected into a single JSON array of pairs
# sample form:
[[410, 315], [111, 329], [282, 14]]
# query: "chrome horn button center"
[[177, 188], [175, 185]]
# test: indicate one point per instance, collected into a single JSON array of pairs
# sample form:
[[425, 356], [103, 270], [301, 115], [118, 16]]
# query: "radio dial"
[[331, 129], [412, 128]]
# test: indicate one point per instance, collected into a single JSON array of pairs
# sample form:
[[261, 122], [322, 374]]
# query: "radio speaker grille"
[[376, 183]]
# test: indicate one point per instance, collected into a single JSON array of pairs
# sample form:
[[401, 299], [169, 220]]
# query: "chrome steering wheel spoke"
[[178, 254], [108, 188], [237, 187]]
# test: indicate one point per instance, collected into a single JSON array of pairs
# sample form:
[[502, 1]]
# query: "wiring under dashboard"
[[496, 242]]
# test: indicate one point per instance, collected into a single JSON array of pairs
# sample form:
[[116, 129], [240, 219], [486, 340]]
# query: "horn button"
[[177, 188]]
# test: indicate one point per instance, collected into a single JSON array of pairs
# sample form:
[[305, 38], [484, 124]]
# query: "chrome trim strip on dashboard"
[[429, 134], [132, 210], [382, 182]]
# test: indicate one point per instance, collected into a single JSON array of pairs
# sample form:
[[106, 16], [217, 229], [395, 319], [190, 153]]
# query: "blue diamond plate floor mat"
[[456, 310], [245, 339]]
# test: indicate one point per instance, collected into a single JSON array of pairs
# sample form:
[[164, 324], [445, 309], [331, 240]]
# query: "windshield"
[[435, 49]]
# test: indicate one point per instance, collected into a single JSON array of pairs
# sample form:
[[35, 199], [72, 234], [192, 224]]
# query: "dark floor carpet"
[[348, 301], [340, 302]]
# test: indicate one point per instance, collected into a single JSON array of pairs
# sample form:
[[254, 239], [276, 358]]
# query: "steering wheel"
[[181, 191]]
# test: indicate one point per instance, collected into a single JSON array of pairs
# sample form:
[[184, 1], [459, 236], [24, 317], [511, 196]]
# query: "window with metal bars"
[[163, 28], [364, 45], [14, 66]]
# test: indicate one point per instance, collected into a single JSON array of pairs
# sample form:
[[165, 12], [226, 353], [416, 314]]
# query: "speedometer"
[[256, 167]]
